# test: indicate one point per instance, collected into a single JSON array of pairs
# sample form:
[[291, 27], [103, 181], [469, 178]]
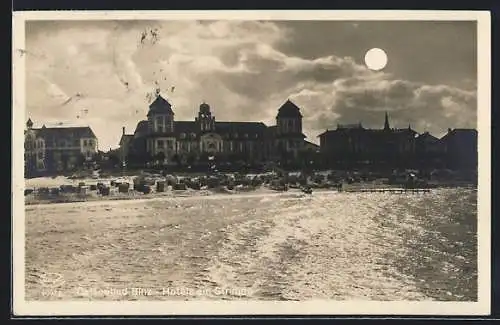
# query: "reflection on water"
[[359, 246], [370, 246], [440, 247]]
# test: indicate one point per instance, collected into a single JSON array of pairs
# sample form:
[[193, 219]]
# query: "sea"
[[260, 246]]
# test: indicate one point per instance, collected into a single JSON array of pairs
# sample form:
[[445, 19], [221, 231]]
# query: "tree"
[[98, 157], [114, 160], [204, 157], [146, 158], [64, 160], [80, 160], [190, 159], [160, 157], [177, 159], [132, 159]]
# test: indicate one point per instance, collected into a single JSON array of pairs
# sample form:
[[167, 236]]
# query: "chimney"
[[123, 130], [449, 130]]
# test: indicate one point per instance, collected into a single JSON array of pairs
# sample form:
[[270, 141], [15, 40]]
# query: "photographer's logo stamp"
[[51, 283]]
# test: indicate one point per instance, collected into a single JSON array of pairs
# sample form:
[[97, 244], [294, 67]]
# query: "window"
[[182, 135], [90, 143], [246, 135], [160, 125], [84, 143], [76, 142], [159, 143], [193, 135], [236, 135], [256, 136]]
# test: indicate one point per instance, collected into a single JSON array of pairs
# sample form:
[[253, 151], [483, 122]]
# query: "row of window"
[[231, 146], [57, 156], [63, 143], [162, 129], [88, 143], [183, 135], [288, 125], [226, 136], [169, 144], [163, 124]]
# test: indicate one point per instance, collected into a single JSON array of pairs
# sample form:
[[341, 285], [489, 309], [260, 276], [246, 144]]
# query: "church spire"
[[29, 123], [386, 124]]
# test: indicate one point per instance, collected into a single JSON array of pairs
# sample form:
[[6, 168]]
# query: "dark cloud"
[[425, 107], [246, 70], [432, 52]]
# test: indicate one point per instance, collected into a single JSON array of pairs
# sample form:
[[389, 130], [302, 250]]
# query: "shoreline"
[[217, 194], [181, 195]]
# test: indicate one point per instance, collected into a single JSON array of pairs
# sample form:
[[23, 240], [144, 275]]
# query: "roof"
[[240, 130], [249, 127], [358, 129], [126, 137], [289, 109], [324, 133], [271, 131], [141, 128], [185, 127], [427, 136], [65, 132], [350, 126], [308, 143], [460, 133], [229, 128], [160, 106]]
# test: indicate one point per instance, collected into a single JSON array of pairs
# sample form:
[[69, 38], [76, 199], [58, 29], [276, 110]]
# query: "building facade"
[[460, 147], [57, 149], [354, 142], [161, 137], [403, 147]]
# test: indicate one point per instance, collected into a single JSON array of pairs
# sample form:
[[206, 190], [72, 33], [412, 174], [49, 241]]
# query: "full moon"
[[376, 59]]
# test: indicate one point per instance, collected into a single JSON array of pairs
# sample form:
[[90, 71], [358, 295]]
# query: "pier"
[[389, 190]]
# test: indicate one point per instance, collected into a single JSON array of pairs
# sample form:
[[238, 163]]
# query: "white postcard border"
[[481, 307]]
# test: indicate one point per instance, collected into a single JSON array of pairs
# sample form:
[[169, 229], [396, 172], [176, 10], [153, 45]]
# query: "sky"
[[103, 73]]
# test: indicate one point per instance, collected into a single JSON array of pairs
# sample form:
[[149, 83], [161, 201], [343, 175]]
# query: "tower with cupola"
[[161, 133], [289, 136], [205, 120], [160, 117]]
